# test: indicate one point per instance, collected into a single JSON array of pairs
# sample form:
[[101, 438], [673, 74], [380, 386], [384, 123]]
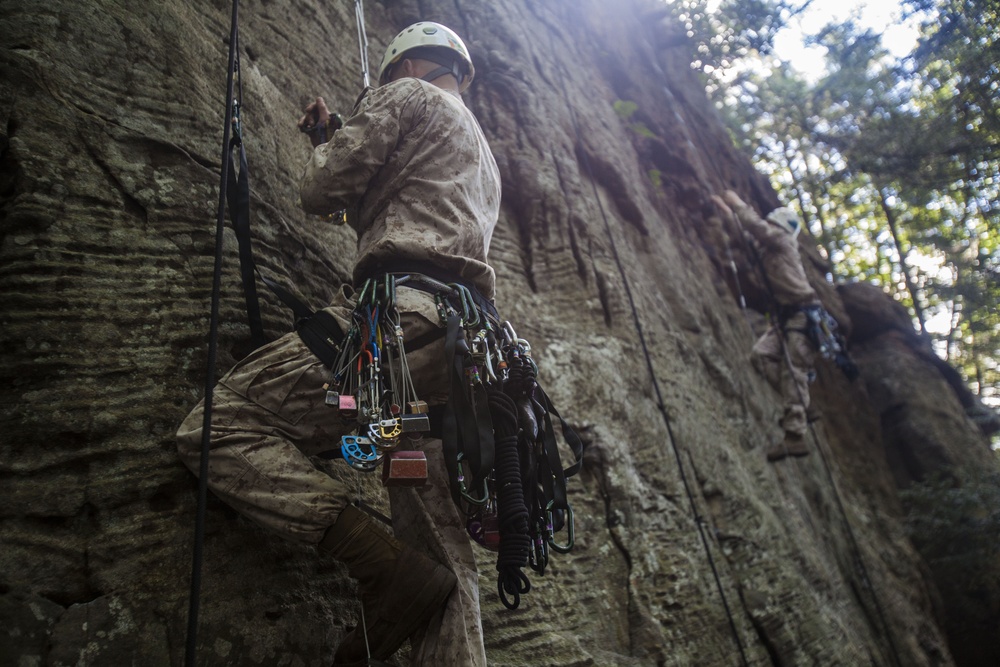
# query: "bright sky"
[[883, 16]]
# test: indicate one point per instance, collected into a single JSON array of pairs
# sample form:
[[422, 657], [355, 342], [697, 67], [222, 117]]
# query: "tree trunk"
[[890, 217]]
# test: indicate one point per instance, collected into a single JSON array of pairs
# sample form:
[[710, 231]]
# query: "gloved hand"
[[319, 123]]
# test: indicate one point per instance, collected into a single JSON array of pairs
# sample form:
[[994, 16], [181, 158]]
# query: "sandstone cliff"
[[111, 119]]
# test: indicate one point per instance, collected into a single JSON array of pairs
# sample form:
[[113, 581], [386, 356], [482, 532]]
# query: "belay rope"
[[213, 343], [822, 330], [660, 404]]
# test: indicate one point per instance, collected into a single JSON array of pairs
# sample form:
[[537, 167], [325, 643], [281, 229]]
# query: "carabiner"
[[475, 501], [237, 125], [364, 291], [570, 532], [508, 333], [470, 314]]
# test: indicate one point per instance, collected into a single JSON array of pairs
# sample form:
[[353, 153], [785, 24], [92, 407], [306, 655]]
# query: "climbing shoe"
[[813, 414], [791, 445], [400, 589]]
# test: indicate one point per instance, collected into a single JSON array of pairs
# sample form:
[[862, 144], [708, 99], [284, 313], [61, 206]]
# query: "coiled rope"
[[512, 513]]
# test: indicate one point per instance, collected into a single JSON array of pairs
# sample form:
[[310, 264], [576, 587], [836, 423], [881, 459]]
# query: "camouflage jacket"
[[779, 254], [415, 173]]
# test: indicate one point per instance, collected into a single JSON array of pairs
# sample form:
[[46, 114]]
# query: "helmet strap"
[[441, 71], [448, 64]]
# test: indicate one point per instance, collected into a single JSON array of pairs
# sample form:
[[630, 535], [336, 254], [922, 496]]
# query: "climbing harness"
[[497, 430], [823, 330], [821, 327]]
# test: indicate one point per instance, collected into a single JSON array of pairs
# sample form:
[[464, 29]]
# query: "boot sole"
[[431, 597]]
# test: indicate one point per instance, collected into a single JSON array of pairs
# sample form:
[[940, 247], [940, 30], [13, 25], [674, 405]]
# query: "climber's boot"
[[793, 444], [400, 589]]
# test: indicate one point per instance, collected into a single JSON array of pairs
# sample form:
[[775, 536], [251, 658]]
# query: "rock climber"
[[775, 240], [415, 173]]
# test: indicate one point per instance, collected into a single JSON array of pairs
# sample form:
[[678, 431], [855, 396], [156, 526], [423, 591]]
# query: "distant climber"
[[774, 239], [415, 171]]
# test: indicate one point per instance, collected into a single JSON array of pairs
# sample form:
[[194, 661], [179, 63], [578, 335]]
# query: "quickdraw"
[[370, 380]]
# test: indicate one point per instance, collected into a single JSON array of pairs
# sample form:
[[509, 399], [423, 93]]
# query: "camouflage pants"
[[268, 417], [793, 383]]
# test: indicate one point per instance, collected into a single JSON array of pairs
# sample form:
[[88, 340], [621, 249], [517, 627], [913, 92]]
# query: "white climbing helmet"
[[434, 36], [785, 218]]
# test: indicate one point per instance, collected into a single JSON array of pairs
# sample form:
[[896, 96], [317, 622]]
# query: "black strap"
[[238, 194], [424, 340], [466, 426], [446, 58], [449, 416], [322, 335], [297, 305]]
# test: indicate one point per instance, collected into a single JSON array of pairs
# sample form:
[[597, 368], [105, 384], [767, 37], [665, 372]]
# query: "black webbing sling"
[[238, 194], [320, 331]]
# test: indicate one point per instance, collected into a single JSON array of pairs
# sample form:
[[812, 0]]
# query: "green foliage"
[[641, 130], [625, 110], [656, 177], [734, 30]]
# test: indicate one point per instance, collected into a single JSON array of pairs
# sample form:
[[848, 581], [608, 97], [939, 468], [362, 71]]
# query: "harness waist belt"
[[418, 270]]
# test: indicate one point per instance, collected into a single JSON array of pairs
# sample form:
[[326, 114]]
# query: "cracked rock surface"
[[690, 548]]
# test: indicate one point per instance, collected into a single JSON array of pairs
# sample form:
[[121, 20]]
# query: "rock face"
[[691, 549]]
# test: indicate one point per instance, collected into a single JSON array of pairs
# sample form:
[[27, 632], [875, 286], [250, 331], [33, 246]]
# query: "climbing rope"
[[866, 579], [213, 344], [660, 404], [512, 513], [359, 16]]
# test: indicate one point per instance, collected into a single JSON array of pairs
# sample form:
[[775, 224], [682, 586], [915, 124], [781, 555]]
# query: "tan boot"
[[793, 444], [400, 588]]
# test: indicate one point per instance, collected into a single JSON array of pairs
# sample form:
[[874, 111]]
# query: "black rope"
[[819, 448], [656, 384], [520, 386], [512, 514], [213, 342]]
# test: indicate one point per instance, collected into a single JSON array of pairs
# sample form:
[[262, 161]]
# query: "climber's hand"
[[316, 122], [733, 199], [721, 206]]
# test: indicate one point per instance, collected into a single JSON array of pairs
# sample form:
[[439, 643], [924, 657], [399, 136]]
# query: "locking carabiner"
[[570, 532]]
